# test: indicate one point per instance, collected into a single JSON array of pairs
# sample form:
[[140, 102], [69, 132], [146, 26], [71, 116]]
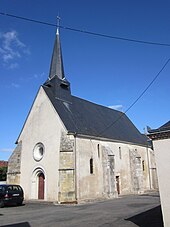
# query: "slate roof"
[[163, 128], [166, 126], [83, 117], [90, 119]]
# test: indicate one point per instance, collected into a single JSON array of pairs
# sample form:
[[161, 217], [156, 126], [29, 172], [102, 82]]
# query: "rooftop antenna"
[[58, 24]]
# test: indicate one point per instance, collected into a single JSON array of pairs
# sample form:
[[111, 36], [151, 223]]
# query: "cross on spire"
[[56, 67], [58, 23]]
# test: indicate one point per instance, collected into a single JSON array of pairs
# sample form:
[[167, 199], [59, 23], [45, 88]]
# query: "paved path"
[[139, 210]]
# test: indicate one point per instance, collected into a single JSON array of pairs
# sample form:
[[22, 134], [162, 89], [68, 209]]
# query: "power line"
[[86, 32], [136, 100], [106, 36]]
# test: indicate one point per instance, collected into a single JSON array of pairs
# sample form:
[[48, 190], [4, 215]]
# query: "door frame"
[[35, 183]]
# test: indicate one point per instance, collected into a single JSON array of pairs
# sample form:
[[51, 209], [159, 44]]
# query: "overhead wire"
[[86, 32], [106, 36], [136, 100]]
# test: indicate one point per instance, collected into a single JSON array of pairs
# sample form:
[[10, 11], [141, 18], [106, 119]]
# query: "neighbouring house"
[[161, 144], [3, 163], [69, 149]]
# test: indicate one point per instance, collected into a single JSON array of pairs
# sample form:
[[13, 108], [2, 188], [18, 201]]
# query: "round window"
[[38, 152]]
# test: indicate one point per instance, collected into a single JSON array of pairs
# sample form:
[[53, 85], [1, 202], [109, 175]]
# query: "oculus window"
[[38, 152]]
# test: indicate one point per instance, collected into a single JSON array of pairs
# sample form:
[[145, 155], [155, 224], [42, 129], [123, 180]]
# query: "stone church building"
[[70, 149]]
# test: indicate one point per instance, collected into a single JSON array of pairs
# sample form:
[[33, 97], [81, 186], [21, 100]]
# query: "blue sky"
[[105, 71]]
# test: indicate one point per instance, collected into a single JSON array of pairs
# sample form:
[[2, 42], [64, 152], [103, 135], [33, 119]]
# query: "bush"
[[3, 173]]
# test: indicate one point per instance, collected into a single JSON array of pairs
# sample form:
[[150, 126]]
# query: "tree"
[[3, 173]]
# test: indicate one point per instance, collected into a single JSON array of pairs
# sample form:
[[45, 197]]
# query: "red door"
[[41, 186]]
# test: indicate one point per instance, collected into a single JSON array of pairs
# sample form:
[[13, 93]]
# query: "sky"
[[105, 71]]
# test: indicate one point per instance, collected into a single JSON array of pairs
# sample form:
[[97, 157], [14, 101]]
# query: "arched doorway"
[[41, 179], [38, 184]]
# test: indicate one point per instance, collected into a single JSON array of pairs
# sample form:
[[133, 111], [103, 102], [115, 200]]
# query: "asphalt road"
[[139, 210]]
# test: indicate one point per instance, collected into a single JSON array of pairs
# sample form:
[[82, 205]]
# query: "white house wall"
[[43, 125], [162, 155]]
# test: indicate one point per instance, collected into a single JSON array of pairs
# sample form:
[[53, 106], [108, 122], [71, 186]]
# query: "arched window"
[[91, 166]]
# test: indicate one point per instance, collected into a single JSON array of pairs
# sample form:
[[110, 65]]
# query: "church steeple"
[[57, 68], [56, 82]]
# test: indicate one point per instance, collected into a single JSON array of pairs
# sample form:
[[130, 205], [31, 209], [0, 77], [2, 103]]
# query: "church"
[[71, 150]]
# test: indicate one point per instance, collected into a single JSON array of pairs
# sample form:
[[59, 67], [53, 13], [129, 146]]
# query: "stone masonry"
[[67, 170], [14, 164]]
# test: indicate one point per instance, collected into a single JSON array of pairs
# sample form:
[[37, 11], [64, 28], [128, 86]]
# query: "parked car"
[[11, 194]]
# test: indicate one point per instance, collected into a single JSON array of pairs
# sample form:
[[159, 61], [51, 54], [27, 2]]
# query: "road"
[[138, 210]]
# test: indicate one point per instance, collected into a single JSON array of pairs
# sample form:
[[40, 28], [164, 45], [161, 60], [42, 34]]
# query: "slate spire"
[[57, 84], [57, 68]]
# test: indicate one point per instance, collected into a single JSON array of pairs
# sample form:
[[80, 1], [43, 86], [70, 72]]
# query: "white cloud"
[[11, 48], [6, 149], [116, 107], [12, 37]]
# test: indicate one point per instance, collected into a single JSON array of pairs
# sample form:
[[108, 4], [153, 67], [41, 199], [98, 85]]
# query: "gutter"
[[105, 139], [156, 131]]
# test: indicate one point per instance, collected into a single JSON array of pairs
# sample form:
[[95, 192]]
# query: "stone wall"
[[108, 163], [152, 169], [14, 165], [136, 171], [67, 192]]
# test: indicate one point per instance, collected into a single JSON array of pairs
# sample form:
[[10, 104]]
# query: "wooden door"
[[41, 186]]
